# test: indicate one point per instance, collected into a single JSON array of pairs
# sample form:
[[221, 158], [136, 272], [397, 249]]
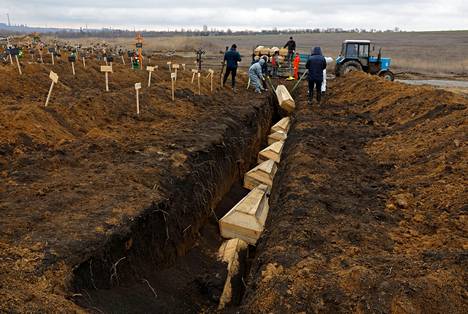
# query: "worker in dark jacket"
[[231, 57], [291, 45], [316, 64]]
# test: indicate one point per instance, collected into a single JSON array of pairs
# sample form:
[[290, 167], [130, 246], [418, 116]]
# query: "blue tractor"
[[356, 56]]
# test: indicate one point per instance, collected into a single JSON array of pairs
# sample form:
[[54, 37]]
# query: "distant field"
[[422, 52]]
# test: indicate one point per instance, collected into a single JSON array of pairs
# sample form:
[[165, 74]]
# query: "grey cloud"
[[241, 14]]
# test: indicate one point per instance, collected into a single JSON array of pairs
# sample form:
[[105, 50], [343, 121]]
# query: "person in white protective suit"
[[256, 75], [324, 83]]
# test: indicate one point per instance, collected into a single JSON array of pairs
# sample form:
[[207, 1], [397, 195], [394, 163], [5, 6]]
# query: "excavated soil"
[[97, 203], [368, 210]]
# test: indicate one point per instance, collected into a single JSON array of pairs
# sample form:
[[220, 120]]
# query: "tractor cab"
[[356, 55]]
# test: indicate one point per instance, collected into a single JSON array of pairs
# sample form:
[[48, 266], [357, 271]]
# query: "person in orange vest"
[[297, 60]]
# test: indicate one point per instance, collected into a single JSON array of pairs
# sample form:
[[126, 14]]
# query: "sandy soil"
[[369, 208]]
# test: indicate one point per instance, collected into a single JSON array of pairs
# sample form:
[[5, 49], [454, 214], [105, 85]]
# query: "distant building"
[[205, 28]]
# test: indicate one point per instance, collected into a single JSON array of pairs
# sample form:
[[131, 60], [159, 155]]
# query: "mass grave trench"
[[167, 230]]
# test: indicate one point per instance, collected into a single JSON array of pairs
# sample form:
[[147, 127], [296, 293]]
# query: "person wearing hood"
[[315, 65], [256, 75], [232, 57]]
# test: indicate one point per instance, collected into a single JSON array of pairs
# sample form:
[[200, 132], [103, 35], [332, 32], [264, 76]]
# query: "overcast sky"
[[239, 14]]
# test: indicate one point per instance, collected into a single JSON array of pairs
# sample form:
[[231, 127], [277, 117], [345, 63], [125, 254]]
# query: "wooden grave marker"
[[183, 66], [150, 71], [72, 60], [175, 67], [173, 79], [137, 88], [40, 55], [194, 72], [17, 63], [54, 77], [106, 69], [210, 74]]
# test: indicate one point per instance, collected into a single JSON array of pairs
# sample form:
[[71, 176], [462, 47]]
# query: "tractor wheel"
[[388, 75], [350, 66]]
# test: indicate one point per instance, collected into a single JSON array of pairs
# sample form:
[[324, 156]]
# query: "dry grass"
[[423, 52]]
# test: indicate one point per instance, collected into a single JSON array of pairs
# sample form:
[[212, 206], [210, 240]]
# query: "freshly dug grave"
[[93, 196], [370, 213]]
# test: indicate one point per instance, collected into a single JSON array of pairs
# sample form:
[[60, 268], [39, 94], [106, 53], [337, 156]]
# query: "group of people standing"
[[258, 71]]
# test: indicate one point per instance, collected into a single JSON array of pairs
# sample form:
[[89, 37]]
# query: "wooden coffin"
[[261, 174], [277, 136], [246, 220], [283, 52], [272, 152], [285, 99], [234, 253], [282, 125]]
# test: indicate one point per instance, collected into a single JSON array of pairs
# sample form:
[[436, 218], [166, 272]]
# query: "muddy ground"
[[368, 213], [94, 197], [97, 204]]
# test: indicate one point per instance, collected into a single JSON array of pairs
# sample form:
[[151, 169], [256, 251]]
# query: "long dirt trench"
[[370, 212], [166, 261], [366, 211]]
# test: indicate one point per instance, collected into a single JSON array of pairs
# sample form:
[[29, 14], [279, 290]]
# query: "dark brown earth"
[[100, 207], [96, 201], [368, 213]]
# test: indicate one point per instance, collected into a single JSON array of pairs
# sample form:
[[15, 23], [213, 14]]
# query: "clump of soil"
[[84, 174], [368, 212]]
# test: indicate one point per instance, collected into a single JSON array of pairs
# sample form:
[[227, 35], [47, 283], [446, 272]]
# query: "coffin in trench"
[[276, 137], [246, 220], [282, 125], [272, 152], [263, 173]]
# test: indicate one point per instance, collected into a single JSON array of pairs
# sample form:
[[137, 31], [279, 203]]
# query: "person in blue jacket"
[[315, 64], [232, 57]]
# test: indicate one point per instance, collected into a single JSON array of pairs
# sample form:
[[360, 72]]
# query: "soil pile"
[[77, 176], [370, 213]]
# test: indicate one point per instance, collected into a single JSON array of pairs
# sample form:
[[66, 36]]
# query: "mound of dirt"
[[370, 213], [86, 173]]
